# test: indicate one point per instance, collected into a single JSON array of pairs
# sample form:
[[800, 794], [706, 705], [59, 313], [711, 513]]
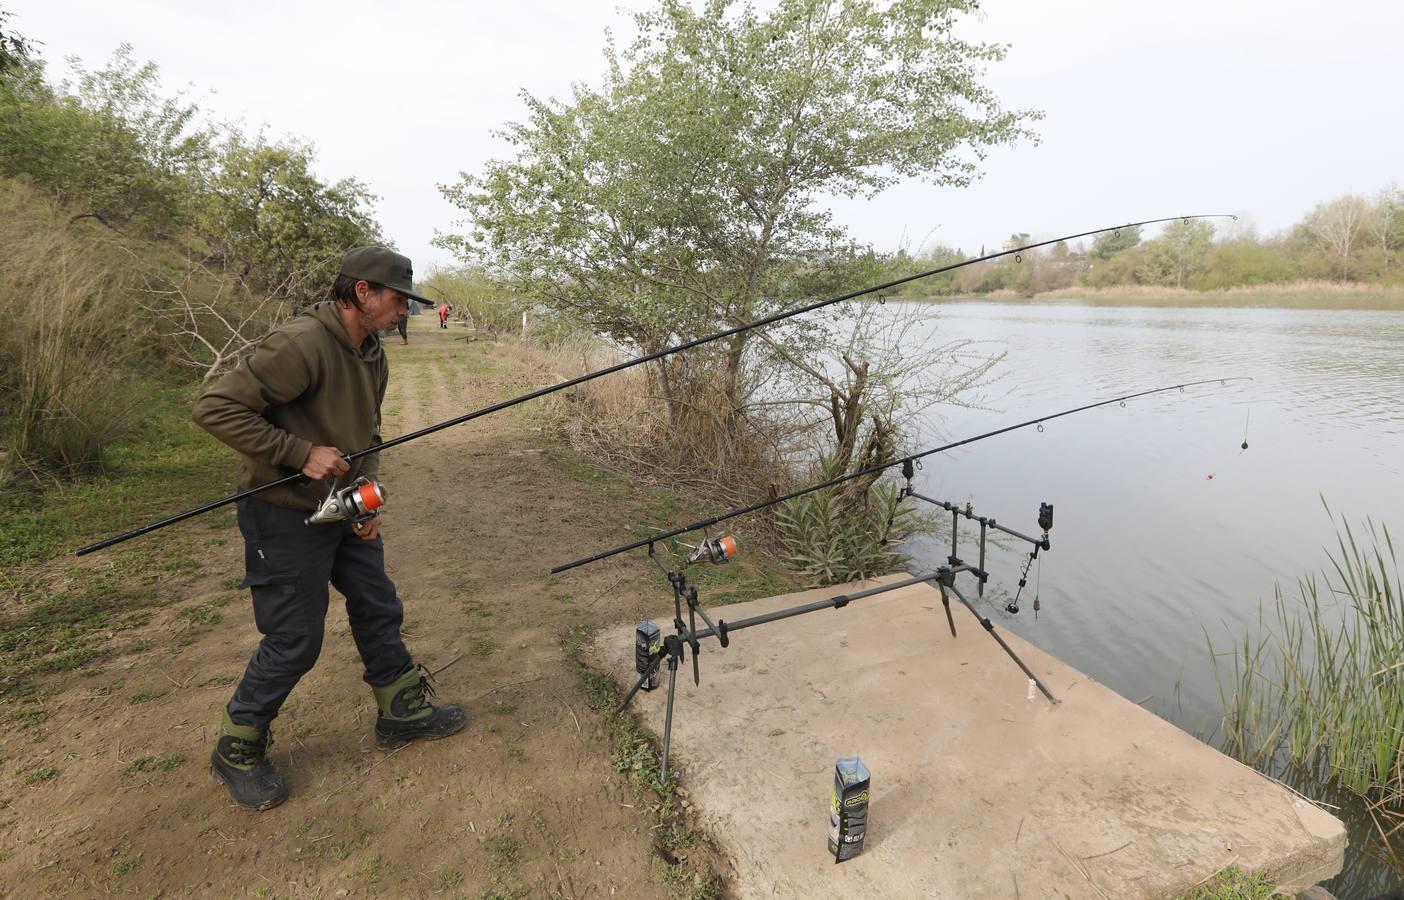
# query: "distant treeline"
[[1351, 239]]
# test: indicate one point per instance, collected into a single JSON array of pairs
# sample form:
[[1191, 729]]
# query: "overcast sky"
[[1154, 107]]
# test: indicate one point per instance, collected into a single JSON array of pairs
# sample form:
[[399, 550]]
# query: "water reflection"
[[1165, 527]]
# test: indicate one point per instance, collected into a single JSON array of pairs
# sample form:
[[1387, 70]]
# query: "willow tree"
[[686, 191]]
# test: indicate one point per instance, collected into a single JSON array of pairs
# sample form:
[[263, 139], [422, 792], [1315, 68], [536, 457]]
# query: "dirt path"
[[112, 793]]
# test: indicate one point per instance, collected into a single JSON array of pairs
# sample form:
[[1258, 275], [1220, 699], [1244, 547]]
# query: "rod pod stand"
[[673, 647]]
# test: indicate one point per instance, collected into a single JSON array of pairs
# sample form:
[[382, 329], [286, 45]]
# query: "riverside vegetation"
[[152, 246], [1345, 253], [1320, 687]]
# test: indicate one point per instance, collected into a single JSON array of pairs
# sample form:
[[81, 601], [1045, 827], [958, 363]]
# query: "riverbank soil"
[[105, 787], [977, 790]]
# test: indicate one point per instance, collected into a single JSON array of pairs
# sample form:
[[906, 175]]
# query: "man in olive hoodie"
[[308, 395]]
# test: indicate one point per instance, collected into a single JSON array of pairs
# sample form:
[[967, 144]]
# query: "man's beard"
[[368, 323]]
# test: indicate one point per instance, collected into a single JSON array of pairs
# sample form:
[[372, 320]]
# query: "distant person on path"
[[444, 314], [311, 392]]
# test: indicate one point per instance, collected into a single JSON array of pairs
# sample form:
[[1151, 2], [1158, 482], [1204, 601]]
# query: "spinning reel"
[[360, 501], [717, 551]]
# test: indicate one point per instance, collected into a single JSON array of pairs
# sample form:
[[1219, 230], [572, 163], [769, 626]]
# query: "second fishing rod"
[[1015, 252], [905, 461]]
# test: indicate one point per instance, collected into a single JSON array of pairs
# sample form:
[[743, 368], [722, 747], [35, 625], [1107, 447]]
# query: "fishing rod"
[[871, 470], [298, 477]]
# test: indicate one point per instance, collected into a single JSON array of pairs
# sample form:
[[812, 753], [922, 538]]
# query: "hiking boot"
[[407, 715], [240, 760]]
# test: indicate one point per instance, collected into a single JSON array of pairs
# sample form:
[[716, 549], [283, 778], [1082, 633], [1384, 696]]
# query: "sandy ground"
[[524, 803]]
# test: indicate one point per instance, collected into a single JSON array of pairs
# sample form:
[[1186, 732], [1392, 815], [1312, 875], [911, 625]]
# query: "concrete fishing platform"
[[977, 791]]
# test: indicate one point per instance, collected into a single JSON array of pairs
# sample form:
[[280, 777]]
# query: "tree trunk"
[[665, 380]]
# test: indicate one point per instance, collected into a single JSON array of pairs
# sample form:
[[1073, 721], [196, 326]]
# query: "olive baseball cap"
[[382, 266]]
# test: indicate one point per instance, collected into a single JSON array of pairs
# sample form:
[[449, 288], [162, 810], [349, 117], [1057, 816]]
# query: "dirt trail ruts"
[[524, 803]]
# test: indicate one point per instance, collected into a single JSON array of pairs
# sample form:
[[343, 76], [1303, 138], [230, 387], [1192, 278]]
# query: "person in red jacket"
[[444, 314]]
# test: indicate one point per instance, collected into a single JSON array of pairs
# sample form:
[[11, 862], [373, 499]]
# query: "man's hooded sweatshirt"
[[306, 385]]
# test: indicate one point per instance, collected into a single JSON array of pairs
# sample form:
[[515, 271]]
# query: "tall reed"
[[1322, 686]]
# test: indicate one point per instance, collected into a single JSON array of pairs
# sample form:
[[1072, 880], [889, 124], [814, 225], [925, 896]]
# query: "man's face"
[[382, 309]]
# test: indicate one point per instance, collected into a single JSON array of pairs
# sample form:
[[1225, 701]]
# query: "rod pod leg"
[[673, 647], [656, 659], [990, 630], [946, 602]]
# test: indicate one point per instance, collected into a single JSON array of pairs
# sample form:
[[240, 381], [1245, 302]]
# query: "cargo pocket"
[[274, 584], [261, 570], [277, 606]]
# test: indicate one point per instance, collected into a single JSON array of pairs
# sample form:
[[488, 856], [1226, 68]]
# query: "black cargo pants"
[[287, 567]]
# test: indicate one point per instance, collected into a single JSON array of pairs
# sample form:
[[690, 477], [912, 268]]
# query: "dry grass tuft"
[[67, 310], [698, 449]]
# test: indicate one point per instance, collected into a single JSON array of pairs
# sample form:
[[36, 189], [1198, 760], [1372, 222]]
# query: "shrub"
[[835, 535]]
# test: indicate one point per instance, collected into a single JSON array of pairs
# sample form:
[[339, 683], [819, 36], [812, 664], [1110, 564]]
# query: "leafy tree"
[[273, 224], [683, 192], [900, 265], [110, 143], [1179, 254], [1244, 263], [14, 47], [118, 149], [1110, 243], [1336, 227], [1387, 223], [1125, 267]]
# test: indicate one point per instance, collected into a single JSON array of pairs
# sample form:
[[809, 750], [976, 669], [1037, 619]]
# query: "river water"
[[1164, 527]]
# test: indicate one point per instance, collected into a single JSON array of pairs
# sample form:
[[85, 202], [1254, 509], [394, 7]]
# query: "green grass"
[[149, 764], [61, 620], [749, 576], [742, 579], [174, 465], [203, 614], [1233, 884], [124, 864], [40, 775], [72, 626]]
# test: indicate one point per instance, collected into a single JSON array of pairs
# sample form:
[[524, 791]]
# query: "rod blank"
[[754, 507]]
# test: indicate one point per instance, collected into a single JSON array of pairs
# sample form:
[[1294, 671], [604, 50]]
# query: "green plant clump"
[[830, 538], [1324, 684]]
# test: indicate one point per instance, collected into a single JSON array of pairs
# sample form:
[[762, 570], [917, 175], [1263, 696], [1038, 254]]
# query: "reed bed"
[[1322, 686], [1292, 295]]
